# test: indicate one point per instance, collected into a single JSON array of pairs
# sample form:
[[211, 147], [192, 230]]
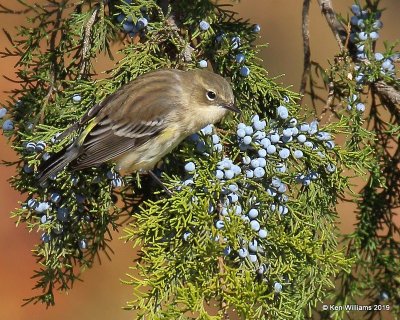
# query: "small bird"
[[144, 120]]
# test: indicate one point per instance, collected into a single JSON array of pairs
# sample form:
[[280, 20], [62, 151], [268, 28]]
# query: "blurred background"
[[101, 295]]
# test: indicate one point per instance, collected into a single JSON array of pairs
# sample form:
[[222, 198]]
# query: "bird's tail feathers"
[[56, 163]]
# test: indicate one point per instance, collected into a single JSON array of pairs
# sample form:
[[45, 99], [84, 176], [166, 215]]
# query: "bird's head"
[[211, 95]]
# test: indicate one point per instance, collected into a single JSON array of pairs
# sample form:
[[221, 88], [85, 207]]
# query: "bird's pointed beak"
[[231, 107]]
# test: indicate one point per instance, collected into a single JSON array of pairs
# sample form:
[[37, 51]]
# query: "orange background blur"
[[101, 295]]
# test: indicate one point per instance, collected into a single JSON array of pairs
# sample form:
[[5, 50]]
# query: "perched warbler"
[[144, 120]]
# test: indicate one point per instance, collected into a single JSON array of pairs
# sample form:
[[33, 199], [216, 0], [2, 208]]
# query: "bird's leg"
[[158, 181]]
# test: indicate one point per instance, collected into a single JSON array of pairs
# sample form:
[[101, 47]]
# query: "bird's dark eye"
[[211, 95]]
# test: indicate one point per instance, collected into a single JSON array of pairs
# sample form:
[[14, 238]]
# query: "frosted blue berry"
[[244, 71], [46, 237], [249, 130], [30, 146], [219, 174], [116, 183], [254, 163], [141, 23], [277, 287], [204, 25], [62, 214], [190, 167], [387, 65], [55, 197], [253, 245], [186, 235], [384, 296], [379, 56], [259, 135], [215, 139], [282, 112], [360, 48], [247, 140], [254, 225], [280, 167], [330, 144], [235, 42], [217, 147], [284, 153], [377, 24], [238, 209], [76, 98], [287, 132], [120, 17], [271, 149], [207, 130], [243, 252], [249, 174], [256, 28], [42, 207], [313, 127], [46, 156], [8, 125], [354, 20], [240, 57], [259, 125], [259, 172], [304, 127], [282, 188], [286, 139], [295, 131], [203, 64], [282, 210], [229, 174], [265, 142], [362, 36], [32, 203], [274, 138], [233, 188], [253, 258], [40, 146], [219, 224], [293, 122], [262, 233], [360, 107], [3, 112], [241, 125], [276, 182], [262, 153], [374, 35], [261, 269], [298, 154], [309, 144], [246, 160], [241, 133], [227, 251], [361, 24], [43, 219], [80, 198], [330, 168], [356, 9], [83, 244], [253, 213], [233, 197], [301, 138], [272, 207]]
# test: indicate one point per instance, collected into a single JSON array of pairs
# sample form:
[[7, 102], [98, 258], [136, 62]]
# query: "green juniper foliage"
[[249, 229]]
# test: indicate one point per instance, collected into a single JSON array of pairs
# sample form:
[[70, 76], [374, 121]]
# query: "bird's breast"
[[150, 153]]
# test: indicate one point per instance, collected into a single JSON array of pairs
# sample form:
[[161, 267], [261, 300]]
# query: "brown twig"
[[86, 40], [337, 28], [306, 47], [387, 91]]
